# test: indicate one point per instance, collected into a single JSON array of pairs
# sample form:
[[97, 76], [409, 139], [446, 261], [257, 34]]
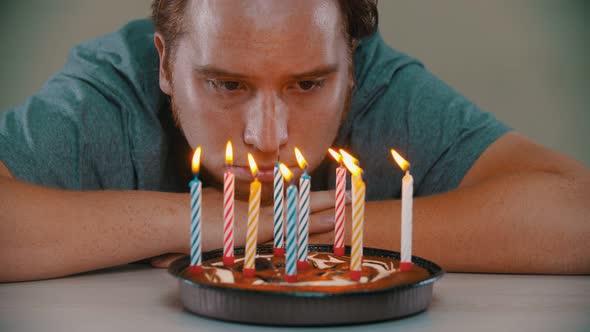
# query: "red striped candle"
[[228, 208], [339, 210]]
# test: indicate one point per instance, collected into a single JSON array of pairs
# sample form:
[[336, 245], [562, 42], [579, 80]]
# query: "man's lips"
[[265, 174]]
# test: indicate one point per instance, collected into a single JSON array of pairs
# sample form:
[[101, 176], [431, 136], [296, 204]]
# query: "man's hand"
[[321, 201]]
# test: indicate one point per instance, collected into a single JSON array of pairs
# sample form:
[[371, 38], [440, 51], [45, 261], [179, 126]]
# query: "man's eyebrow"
[[214, 71], [319, 71]]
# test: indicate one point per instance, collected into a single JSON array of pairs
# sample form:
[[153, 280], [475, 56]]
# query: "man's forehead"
[[230, 16], [285, 36]]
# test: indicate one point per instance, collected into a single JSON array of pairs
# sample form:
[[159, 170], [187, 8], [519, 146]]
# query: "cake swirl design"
[[326, 270]]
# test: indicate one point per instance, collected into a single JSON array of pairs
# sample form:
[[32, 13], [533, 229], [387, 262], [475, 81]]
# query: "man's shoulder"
[[376, 62], [134, 37], [124, 63]]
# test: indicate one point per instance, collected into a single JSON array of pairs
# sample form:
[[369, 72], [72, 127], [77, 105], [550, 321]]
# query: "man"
[[95, 166]]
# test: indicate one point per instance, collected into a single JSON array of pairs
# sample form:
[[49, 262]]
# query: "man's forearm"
[[518, 223], [47, 233]]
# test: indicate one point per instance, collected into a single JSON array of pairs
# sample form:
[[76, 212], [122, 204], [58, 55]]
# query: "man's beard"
[[210, 180]]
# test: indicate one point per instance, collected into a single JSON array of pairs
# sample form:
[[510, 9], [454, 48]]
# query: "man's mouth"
[[265, 174]]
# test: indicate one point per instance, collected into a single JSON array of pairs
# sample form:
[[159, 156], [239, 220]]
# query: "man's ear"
[[165, 84]]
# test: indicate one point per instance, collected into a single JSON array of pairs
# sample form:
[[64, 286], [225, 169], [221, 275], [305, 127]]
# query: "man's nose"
[[266, 123]]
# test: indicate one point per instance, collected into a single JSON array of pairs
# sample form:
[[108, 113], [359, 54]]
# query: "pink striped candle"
[[339, 209], [228, 208]]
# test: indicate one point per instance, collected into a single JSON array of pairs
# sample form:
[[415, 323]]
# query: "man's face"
[[268, 75]]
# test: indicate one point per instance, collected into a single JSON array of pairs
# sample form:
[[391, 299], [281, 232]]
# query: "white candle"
[[407, 199]]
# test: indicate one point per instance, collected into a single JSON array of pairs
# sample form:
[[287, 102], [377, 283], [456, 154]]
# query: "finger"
[[322, 200], [321, 223], [164, 261], [326, 199]]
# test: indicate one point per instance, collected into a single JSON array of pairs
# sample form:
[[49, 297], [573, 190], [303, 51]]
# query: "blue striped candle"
[[291, 259], [195, 187], [278, 214]]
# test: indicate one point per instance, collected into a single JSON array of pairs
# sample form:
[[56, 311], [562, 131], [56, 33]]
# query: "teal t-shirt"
[[103, 123]]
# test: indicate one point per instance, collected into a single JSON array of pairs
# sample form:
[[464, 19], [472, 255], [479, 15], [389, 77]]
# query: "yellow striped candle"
[[358, 216], [253, 215]]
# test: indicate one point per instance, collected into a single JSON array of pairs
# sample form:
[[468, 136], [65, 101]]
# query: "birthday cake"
[[326, 273]]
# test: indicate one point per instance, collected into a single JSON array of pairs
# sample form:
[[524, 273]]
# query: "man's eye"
[[308, 85], [230, 85], [226, 85]]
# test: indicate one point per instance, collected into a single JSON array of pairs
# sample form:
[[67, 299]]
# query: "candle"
[[253, 214], [358, 216], [291, 255], [228, 208], [278, 214], [339, 210], [304, 210], [195, 187], [407, 193]]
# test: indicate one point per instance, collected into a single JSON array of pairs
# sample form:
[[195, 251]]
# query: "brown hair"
[[361, 18]]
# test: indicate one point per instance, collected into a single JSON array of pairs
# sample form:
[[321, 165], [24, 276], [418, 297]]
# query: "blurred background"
[[526, 61]]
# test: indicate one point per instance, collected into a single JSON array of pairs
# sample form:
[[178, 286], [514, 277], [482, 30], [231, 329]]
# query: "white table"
[[139, 298]]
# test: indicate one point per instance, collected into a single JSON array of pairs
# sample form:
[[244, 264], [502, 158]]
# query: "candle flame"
[[345, 154], [300, 159], [253, 166], [287, 174], [196, 160], [335, 155], [350, 163], [402, 163], [229, 154]]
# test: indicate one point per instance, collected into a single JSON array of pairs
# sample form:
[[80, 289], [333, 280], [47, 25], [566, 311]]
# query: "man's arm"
[[521, 208], [47, 233]]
